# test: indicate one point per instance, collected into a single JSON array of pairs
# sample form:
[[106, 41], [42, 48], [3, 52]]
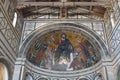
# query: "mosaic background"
[[63, 50]]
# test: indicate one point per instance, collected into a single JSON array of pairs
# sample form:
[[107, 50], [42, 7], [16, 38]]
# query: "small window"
[[15, 19], [112, 20], [63, 0], [3, 1], [3, 72]]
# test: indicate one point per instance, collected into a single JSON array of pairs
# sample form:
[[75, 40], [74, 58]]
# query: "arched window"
[[63, 0], [3, 72], [112, 20], [15, 19], [118, 74]]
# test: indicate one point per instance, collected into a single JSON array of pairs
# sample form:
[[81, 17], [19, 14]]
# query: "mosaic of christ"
[[63, 50]]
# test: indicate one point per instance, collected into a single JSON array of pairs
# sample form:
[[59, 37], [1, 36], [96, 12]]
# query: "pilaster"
[[110, 73], [19, 69]]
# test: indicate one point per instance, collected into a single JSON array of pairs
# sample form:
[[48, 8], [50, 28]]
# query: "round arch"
[[3, 72], [84, 78], [98, 76], [42, 78], [5, 69], [28, 76], [118, 73], [56, 26]]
